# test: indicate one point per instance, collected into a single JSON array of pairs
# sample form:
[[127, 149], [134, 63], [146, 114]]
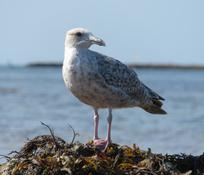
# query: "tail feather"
[[154, 104], [154, 109], [157, 103]]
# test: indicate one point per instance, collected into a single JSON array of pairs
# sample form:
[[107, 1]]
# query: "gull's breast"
[[78, 77], [84, 81]]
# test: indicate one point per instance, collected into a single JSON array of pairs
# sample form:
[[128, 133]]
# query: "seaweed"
[[51, 155]]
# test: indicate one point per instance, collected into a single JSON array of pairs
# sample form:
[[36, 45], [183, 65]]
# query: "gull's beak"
[[96, 40]]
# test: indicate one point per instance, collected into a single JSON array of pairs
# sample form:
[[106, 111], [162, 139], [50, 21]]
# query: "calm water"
[[31, 95]]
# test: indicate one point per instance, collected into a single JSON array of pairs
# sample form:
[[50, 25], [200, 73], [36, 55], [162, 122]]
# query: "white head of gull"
[[103, 82]]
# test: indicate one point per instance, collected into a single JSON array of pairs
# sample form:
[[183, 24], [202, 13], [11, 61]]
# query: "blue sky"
[[159, 31]]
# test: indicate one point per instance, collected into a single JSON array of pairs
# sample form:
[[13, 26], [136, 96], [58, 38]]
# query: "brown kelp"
[[51, 155]]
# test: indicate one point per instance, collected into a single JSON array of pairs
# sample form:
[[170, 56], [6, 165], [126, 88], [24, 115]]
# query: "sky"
[[135, 31]]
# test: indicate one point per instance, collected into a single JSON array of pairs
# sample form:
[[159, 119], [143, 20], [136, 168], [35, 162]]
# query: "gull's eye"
[[78, 34]]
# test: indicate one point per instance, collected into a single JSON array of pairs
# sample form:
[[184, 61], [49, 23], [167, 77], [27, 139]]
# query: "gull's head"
[[81, 38]]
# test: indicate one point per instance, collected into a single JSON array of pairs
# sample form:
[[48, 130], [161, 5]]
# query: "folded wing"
[[120, 76]]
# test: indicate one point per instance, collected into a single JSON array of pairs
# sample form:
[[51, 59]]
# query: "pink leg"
[[100, 143], [96, 122], [109, 119]]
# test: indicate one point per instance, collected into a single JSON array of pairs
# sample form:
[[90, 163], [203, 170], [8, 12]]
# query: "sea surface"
[[31, 95]]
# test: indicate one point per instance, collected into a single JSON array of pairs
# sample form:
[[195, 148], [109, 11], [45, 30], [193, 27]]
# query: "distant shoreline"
[[139, 65]]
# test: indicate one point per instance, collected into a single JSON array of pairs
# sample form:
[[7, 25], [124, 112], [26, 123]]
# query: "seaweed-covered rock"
[[51, 155]]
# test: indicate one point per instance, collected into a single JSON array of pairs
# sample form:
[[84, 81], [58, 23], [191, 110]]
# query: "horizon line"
[[132, 65]]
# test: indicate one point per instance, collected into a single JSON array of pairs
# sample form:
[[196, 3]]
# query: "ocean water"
[[31, 95]]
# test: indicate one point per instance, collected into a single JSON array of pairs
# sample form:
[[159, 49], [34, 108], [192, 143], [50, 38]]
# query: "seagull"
[[102, 82]]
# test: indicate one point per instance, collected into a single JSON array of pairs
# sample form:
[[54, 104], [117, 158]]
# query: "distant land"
[[139, 65]]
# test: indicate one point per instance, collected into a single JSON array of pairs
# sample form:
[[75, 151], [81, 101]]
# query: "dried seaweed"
[[51, 155]]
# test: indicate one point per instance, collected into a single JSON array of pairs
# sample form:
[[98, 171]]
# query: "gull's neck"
[[71, 53], [78, 48], [74, 50]]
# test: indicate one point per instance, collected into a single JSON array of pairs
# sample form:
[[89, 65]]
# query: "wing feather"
[[120, 76]]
